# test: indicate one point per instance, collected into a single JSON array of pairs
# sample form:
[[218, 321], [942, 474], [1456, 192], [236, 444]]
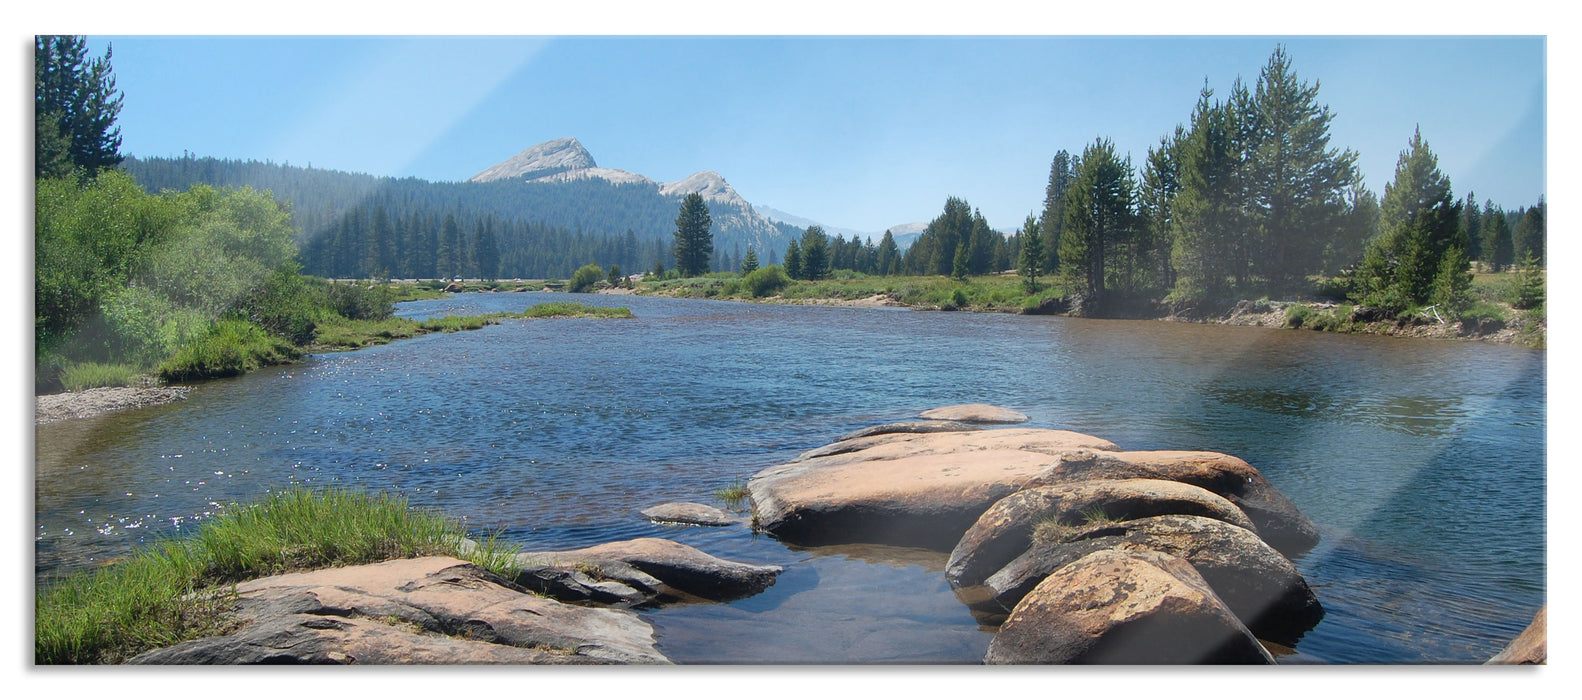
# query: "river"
[[1422, 461]]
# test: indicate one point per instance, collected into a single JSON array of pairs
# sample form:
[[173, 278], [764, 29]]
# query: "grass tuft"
[[91, 375]]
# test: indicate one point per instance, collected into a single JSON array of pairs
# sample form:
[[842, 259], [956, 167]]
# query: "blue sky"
[[859, 132]]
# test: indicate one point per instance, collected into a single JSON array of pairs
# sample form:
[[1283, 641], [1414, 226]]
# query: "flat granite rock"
[[906, 489], [652, 564], [431, 610], [974, 413], [690, 514]]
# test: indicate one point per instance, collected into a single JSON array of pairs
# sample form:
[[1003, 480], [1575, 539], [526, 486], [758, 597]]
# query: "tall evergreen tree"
[[749, 261], [1100, 214], [1418, 228], [1061, 171], [694, 244], [1030, 261], [1156, 194], [1527, 241], [1471, 226], [815, 253], [1297, 183], [1498, 249], [75, 105], [486, 250], [889, 256], [793, 262], [1207, 210]]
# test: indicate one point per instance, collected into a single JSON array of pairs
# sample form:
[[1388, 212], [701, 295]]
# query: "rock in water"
[[921, 490], [1531, 646], [1277, 519], [651, 564], [1005, 531], [433, 610], [974, 413], [1263, 588], [1114, 607], [690, 514]]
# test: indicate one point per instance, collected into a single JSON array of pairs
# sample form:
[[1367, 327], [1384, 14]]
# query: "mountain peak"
[[708, 183], [547, 159]]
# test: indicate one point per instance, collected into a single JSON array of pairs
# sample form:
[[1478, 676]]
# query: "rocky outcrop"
[[975, 413], [1531, 646], [1277, 519], [1263, 588], [903, 488], [434, 610], [659, 570], [1114, 607], [690, 514], [926, 426], [1005, 530]]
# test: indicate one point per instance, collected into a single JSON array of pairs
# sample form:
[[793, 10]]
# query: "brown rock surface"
[[413, 611], [1263, 588], [922, 426], [652, 565], [1114, 607], [904, 489], [974, 413], [1277, 519], [1005, 530], [1531, 646]]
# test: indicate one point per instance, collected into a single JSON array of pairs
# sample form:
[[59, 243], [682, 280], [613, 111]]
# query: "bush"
[[358, 301], [766, 281], [1296, 315], [584, 279], [232, 347]]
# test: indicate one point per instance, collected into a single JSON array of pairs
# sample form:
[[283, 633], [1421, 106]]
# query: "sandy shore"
[[94, 402]]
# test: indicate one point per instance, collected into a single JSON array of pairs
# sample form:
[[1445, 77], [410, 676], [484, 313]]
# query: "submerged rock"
[[904, 489], [433, 610], [657, 569], [1005, 530], [1277, 519], [690, 514], [975, 413], [1114, 607], [1263, 588]]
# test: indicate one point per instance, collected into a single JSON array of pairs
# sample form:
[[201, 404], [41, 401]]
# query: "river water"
[[1422, 461]]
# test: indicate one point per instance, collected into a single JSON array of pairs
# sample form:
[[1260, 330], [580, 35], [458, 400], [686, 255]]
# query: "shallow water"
[[1422, 461]]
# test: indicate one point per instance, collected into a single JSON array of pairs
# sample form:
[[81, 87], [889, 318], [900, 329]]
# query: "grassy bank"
[[992, 293], [178, 590]]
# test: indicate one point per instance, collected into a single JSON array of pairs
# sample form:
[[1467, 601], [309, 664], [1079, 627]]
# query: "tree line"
[[1248, 198]]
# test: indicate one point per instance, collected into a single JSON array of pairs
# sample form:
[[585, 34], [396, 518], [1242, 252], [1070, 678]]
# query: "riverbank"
[[88, 403], [1489, 320]]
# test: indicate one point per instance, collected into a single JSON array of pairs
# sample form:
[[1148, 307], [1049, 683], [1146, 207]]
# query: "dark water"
[[1422, 461]]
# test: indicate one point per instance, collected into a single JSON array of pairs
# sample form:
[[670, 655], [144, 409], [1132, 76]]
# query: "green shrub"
[[566, 309], [231, 347], [766, 281], [584, 279], [1481, 311], [1296, 315], [359, 301]]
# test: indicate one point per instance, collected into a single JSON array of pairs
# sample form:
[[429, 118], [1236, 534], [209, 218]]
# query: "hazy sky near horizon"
[[856, 132]]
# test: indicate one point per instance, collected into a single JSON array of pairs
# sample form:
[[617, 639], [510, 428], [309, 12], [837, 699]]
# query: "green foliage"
[[1527, 288], [75, 105], [566, 309], [1030, 262], [815, 254], [733, 494], [1100, 218], [1407, 265], [615, 277], [584, 279], [694, 244], [176, 590], [89, 375], [749, 263], [765, 281], [360, 301], [231, 347]]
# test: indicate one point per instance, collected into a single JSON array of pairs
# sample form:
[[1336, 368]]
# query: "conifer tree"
[[793, 263], [1100, 214], [1030, 261], [1207, 209], [1527, 241], [889, 255], [75, 105], [815, 253], [1419, 227], [1061, 170], [694, 244]]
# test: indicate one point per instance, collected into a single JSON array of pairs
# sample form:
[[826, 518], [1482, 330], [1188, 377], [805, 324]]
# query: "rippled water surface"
[[1422, 461]]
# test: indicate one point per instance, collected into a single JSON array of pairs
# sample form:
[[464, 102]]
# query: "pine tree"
[[1156, 194], [75, 105], [1497, 245], [486, 250], [889, 255], [694, 244], [1419, 228], [1207, 210], [815, 253], [1052, 223], [1471, 226], [1527, 242], [1100, 214], [793, 262], [749, 261], [1030, 261], [1297, 184]]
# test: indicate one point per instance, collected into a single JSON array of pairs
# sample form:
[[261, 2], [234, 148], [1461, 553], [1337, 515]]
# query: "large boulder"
[[1005, 530], [974, 413], [923, 426], [1263, 588], [1277, 519], [659, 569], [433, 610], [1115, 607], [1531, 646], [904, 489]]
